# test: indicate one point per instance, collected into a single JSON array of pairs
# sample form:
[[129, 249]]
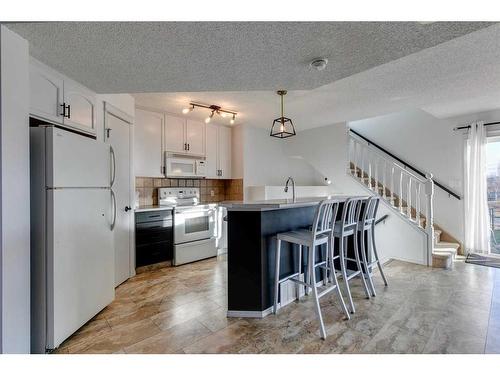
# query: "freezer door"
[[80, 259], [74, 160]]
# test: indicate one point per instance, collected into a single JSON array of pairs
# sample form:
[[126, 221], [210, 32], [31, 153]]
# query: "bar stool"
[[366, 230], [321, 234], [343, 229]]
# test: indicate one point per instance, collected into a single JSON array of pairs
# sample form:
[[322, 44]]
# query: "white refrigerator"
[[72, 254]]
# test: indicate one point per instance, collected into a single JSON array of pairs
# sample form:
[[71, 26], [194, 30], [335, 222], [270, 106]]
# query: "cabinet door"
[[46, 94], [174, 134], [81, 111], [148, 160], [224, 145], [211, 151], [195, 137]]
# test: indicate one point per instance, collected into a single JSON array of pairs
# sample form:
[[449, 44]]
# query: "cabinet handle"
[[188, 146], [69, 111], [63, 114]]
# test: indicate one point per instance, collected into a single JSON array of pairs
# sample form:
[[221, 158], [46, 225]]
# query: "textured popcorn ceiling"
[[116, 57], [456, 77]]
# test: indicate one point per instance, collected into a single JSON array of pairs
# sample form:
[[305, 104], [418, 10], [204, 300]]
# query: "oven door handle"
[[209, 211]]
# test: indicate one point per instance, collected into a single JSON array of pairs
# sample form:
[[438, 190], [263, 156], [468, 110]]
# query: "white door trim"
[[110, 109]]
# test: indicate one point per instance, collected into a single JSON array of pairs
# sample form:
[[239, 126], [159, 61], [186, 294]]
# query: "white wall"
[[15, 209], [266, 162], [431, 145]]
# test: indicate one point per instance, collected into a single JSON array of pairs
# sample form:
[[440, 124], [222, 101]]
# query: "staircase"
[[407, 193]]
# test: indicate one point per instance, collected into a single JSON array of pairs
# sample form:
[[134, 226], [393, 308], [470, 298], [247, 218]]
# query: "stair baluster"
[[379, 173]]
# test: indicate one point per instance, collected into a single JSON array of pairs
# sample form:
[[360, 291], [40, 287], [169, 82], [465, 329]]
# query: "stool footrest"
[[300, 282], [327, 290], [288, 277]]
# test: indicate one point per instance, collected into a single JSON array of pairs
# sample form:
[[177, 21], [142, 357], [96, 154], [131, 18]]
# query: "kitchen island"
[[252, 229]]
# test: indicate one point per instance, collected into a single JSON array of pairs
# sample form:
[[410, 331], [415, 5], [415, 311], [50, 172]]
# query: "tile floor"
[[182, 310]]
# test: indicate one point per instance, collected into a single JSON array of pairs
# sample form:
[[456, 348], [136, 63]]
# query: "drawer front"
[[153, 253], [158, 215], [153, 232]]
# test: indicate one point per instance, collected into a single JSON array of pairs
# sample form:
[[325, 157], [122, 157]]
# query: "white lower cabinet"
[[218, 151], [148, 154]]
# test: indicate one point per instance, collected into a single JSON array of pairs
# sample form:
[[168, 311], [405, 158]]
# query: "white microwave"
[[185, 167]]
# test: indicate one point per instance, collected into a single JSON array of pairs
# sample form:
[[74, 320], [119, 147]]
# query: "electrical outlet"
[[212, 193]]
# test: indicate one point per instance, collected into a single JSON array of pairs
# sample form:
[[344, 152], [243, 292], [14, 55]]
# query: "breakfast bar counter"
[[252, 229]]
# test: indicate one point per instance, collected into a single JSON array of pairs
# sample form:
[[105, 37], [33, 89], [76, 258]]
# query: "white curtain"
[[477, 222]]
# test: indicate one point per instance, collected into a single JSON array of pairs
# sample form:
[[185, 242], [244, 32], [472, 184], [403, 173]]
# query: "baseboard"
[[249, 314]]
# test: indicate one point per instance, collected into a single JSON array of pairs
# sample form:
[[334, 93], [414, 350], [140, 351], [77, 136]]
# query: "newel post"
[[429, 222]]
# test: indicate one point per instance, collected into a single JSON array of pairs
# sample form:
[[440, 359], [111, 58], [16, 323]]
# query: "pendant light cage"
[[282, 126]]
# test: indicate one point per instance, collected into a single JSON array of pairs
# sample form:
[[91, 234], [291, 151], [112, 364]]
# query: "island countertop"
[[279, 204]]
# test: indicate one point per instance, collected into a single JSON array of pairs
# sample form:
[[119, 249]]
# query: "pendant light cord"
[[282, 106]]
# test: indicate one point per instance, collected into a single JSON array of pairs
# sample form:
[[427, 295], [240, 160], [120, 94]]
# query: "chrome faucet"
[[293, 187]]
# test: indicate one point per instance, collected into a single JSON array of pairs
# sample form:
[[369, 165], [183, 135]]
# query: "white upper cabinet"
[[224, 146], [211, 160], [218, 151], [46, 93], [58, 99], [195, 137], [174, 134], [80, 107], [184, 136], [148, 154]]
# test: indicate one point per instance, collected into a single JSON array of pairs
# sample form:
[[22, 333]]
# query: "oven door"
[[193, 224]]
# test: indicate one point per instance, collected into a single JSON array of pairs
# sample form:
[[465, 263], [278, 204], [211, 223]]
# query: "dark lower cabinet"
[[154, 237]]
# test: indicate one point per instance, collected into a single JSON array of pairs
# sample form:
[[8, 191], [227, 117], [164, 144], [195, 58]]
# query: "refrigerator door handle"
[[113, 164], [113, 196]]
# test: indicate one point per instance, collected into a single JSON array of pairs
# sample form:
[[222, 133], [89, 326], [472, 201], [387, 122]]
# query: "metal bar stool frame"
[[321, 234]]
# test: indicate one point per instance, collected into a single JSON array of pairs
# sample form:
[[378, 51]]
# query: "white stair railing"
[[406, 192]]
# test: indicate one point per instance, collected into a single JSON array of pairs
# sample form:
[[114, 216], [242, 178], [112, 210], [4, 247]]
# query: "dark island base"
[[251, 256]]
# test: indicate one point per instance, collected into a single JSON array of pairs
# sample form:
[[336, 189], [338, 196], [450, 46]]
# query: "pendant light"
[[282, 126]]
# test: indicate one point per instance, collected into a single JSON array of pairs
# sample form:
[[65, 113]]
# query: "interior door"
[[195, 137], [81, 111], [174, 134], [225, 151], [118, 136], [211, 151], [148, 154], [79, 260]]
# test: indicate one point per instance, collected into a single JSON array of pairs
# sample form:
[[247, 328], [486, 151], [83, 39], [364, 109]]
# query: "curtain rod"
[[468, 126]]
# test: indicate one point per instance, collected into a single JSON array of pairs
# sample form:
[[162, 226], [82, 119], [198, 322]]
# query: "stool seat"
[[337, 230], [303, 237]]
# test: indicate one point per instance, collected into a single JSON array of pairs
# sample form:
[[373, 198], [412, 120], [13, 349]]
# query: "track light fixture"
[[187, 110], [207, 120], [215, 109]]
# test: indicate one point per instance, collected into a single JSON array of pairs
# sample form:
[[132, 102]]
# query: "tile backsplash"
[[211, 191]]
